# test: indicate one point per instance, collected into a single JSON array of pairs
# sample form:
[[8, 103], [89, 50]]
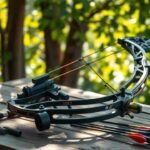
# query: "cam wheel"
[[42, 121]]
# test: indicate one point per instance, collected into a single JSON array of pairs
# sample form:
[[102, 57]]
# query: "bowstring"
[[106, 84], [87, 64], [75, 61], [67, 72], [81, 66]]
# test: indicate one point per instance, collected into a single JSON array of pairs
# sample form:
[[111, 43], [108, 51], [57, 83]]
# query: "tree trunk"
[[14, 53], [73, 52], [52, 47], [2, 48], [52, 51]]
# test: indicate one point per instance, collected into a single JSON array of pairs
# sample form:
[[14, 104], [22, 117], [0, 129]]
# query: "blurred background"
[[37, 36]]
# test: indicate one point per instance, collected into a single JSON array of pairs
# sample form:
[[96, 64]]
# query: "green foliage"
[[54, 16]]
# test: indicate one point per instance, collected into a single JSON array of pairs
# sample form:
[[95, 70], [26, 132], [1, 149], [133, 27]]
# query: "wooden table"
[[66, 137]]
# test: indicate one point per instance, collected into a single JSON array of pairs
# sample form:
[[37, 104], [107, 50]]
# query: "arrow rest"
[[47, 104]]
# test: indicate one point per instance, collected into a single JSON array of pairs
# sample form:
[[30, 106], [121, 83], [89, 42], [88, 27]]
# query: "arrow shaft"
[[125, 125], [140, 138], [100, 129], [120, 129]]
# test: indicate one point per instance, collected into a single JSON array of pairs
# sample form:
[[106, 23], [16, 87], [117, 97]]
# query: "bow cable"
[[81, 66], [106, 84], [74, 61]]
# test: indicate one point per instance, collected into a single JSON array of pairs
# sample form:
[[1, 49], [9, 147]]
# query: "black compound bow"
[[46, 102]]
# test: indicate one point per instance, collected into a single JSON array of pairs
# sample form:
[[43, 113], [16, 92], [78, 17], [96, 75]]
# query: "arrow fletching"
[[139, 138], [144, 128]]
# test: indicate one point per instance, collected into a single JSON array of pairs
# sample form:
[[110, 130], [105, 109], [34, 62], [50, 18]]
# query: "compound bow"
[[46, 102]]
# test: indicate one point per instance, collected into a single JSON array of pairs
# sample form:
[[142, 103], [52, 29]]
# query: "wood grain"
[[60, 137]]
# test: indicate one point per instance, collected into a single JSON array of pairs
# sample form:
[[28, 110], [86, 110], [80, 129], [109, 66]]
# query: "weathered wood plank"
[[64, 136]]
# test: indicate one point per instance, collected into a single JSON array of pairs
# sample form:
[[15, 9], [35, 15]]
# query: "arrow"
[[137, 137], [129, 126], [121, 129]]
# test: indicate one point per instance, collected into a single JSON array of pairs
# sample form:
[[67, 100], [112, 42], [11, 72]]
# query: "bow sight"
[[48, 104]]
